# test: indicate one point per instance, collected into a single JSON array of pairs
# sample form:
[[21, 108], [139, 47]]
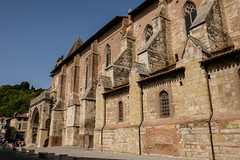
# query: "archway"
[[35, 123], [46, 143]]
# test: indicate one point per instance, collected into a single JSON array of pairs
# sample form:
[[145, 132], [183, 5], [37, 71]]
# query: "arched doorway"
[[46, 143], [35, 123]]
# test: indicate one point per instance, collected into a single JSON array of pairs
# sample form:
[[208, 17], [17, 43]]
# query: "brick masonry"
[[200, 73]]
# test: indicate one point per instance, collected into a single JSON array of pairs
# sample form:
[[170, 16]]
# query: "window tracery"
[[148, 32], [190, 13], [164, 103]]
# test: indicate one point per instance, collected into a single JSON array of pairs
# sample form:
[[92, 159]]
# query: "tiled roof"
[[171, 71], [117, 88], [226, 54], [90, 40]]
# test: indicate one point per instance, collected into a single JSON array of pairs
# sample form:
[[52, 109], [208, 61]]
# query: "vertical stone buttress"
[[157, 51], [100, 115], [57, 121], [88, 101]]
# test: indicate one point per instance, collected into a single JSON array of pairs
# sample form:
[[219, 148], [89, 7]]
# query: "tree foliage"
[[16, 98]]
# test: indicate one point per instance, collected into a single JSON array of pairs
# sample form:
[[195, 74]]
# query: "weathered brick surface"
[[199, 71]]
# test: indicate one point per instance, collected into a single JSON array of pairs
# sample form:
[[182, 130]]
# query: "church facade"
[[164, 80]]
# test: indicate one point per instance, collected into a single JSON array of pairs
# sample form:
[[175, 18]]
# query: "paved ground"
[[91, 155], [6, 154]]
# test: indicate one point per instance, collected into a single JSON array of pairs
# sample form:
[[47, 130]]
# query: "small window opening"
[[86, 78], [176, 57], [148, 32], [120, 109], [209, 76], [165, 109], [190, 14], [108, 55]]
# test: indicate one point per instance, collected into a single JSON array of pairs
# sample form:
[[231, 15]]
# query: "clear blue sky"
[[34, 33]]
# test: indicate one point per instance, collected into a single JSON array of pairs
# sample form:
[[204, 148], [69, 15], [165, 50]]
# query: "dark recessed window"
[[120, 111], [19, 126], [190, 13], [24, 126], [108, 55], [148, 32], [86, 78], [164, 103]]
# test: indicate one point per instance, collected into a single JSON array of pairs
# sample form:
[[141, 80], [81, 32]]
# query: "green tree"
[[16, 98]]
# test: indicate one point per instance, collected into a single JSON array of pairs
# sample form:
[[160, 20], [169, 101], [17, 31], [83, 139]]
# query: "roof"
[[18, 115], [75, 46], [171, 71], [117, 88], [109, 25], [224, 55], [142, 6], [202, 14], [7, 118]]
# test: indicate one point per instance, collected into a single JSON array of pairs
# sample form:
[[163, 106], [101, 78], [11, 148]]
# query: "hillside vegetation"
[[16, 98]]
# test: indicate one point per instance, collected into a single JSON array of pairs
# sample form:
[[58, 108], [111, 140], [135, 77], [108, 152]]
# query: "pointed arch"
[[47, 124], [35, 118], [86, 76], [190, 13], [35, 123], [148, 32], [108, 55]]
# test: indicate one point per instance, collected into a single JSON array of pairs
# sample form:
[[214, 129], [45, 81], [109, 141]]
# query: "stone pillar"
[[87, 123], [56, 127], [72, 125], [99, 120], [29, 131]]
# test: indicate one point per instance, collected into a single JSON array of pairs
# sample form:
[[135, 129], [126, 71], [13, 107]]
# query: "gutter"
[[211, 115], [142, 119], [104, 123]]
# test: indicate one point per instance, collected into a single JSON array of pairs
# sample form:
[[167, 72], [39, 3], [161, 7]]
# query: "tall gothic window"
[[86, 78], [190, 14], [164, 103], [148, 32], [108, 55], [120, 111]]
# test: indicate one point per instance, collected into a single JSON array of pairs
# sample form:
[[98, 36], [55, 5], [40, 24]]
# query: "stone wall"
[[224, 84], [199, 71], [42, 106]]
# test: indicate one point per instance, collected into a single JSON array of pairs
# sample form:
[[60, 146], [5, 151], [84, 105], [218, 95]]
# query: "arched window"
[[86, 78], [108, 55], [47, 125], [164, 103], [35, 123], [120, 111], [190, 13], [36, 118], [148, 32]]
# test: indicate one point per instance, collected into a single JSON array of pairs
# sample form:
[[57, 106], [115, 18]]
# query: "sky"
[[35, 33]]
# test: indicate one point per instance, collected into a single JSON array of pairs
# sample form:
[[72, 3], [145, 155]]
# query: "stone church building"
[[164, 80]]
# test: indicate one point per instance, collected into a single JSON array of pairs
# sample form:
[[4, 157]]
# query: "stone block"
[[42, 155], [50, 155], [23, 150], [63, 157], [31, 152], [46, 155]]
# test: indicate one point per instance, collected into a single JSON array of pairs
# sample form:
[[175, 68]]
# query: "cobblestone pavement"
[[91, 155]]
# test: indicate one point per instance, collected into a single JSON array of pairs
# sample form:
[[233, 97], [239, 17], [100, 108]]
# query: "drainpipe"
[[142, 119], [104, 123], [211, 115]]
